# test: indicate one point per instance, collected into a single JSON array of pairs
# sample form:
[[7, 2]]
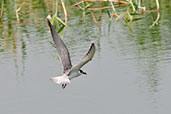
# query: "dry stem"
[[94, 18], [65, 12]]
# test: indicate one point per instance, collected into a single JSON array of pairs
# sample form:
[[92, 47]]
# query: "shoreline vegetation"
[[130, 10]]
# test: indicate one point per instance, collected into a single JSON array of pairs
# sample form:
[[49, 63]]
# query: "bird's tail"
[[55, 79], [60, 80]]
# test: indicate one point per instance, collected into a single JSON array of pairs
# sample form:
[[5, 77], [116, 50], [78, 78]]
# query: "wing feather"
[[61, 49], [86, 58]]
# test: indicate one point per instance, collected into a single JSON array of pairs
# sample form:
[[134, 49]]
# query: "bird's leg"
[[64, 85], [82, 72]]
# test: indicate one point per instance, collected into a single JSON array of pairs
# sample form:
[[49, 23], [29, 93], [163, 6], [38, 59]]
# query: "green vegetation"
[[16, 14], [128, 10]]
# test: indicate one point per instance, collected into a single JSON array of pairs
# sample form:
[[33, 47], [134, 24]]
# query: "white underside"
[[64, 79], [74, 75]]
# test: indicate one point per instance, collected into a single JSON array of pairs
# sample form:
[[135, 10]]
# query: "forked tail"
[[54, 79], [61, 80]]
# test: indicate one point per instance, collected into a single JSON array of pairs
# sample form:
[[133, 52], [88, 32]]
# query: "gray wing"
[[85, 59], [61, 48]]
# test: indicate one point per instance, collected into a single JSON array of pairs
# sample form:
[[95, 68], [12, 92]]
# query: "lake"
[[129, 74]]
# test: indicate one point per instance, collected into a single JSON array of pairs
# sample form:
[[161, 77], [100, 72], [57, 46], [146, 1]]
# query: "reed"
[[17, 10], [2, 7], [158, 14], [58, 23], [130, 10]]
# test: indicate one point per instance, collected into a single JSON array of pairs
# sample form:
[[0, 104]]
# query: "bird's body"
[[74, 74], [65, 78], [69, 71]]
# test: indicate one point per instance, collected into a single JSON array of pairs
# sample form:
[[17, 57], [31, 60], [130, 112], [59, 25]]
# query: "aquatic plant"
[[132, 9]]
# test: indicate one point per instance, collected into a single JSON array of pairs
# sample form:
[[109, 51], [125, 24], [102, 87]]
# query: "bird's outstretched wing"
[[61, 49], [85, 59]]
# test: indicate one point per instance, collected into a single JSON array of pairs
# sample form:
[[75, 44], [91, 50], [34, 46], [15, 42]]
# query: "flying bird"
[[69, 71]]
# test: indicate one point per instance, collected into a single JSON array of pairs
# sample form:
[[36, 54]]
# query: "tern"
[[69, 71]]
